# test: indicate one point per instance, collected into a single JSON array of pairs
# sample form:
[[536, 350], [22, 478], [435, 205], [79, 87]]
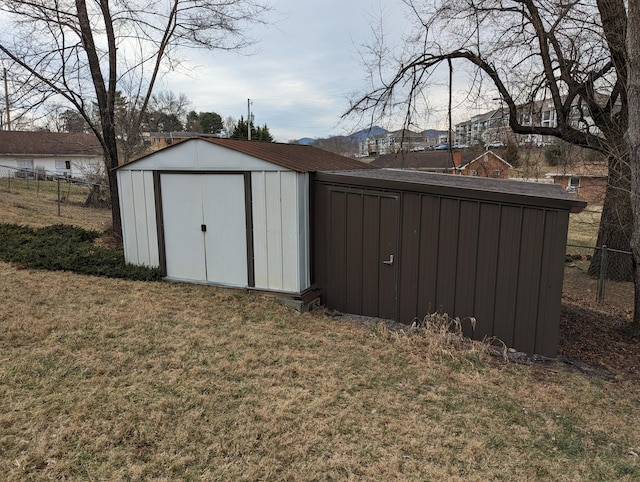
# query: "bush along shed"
[[302, 222], [401, 244]]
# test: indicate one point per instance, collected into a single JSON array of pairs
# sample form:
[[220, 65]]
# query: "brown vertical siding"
[[354, 253], [319, 216], [467, 260], [410, 257], [554, 243], [428, 249], [388, 228], [371, 250], [506, 281], [528, 283], [447, 255], [485, 281], [337, 289], [499, 263]]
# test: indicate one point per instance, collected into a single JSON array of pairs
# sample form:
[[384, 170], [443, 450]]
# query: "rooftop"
[[48, 143], [550, 195], [296, 157]]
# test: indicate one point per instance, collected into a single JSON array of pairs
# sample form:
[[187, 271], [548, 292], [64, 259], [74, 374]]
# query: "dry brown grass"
[[109, 379], [37, 209], [583, 227]]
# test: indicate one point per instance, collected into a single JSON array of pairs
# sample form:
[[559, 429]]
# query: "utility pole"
[[249, 119], [6, 100]]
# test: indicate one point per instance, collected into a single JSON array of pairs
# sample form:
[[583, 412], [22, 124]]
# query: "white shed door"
[[205, 227]]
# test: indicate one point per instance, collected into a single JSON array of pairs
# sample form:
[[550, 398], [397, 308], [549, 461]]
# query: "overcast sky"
[[303, 70]]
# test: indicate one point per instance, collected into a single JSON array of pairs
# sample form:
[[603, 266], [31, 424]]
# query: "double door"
[[204, 226]]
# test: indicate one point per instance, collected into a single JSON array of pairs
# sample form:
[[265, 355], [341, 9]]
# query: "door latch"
[[389, 261], [203, 228]]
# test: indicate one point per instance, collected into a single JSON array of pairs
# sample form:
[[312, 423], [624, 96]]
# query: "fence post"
[[58, 196], [603, 273]]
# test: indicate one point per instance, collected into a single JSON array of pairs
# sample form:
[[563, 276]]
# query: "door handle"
[[203, 228], [389, 261]]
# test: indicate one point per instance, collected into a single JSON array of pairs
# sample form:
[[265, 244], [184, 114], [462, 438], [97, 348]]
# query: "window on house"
[[26, 164], [574, 184], [473, 172], [497, 172]]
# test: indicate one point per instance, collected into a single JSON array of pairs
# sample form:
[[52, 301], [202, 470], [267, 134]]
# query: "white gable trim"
[[482, 155], [200, 155]]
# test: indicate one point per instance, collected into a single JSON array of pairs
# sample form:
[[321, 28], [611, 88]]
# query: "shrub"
[[511, 154], [553, 154], [67, 248]]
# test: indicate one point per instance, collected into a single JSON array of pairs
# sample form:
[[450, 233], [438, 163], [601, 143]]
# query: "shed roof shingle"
[[296, 157], [48, 143]]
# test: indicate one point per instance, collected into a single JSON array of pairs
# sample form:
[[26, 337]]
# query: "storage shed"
[[401, 244], [224, 211]]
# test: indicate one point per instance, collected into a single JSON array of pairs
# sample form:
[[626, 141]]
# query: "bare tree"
[[633, 135], [85, 52], [527, 52], [230, 123]]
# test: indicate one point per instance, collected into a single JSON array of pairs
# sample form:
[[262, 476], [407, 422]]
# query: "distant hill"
[[306, 141], [345, 143], [433, 133], [358, 136], [370, 132]]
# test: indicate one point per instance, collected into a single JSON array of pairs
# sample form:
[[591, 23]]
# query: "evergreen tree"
[[240, 131], [193, 124], [263, 134], [210, 122]]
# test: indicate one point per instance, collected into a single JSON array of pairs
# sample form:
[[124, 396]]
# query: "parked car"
[[494, 144]]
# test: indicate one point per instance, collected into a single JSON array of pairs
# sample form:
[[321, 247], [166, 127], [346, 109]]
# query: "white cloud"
[[301, 73]]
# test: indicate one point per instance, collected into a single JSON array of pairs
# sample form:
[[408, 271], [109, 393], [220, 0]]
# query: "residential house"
[[588, 181], [75, 155], [459, 161]]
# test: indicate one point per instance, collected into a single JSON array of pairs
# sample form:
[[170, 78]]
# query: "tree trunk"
[[111, 160], [633, 139], [616, 225]]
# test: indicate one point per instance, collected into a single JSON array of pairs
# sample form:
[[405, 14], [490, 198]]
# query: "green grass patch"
[[67, 248], [583, 228]]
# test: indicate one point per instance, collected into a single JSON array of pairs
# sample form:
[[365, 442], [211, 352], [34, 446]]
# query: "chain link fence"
[[610, 269], [38, 197], [595, 273]]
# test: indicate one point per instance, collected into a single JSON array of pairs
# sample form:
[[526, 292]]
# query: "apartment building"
[[401, 140]]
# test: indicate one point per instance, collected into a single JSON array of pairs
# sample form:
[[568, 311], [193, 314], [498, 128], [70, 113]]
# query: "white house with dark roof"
[[74, 155]]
